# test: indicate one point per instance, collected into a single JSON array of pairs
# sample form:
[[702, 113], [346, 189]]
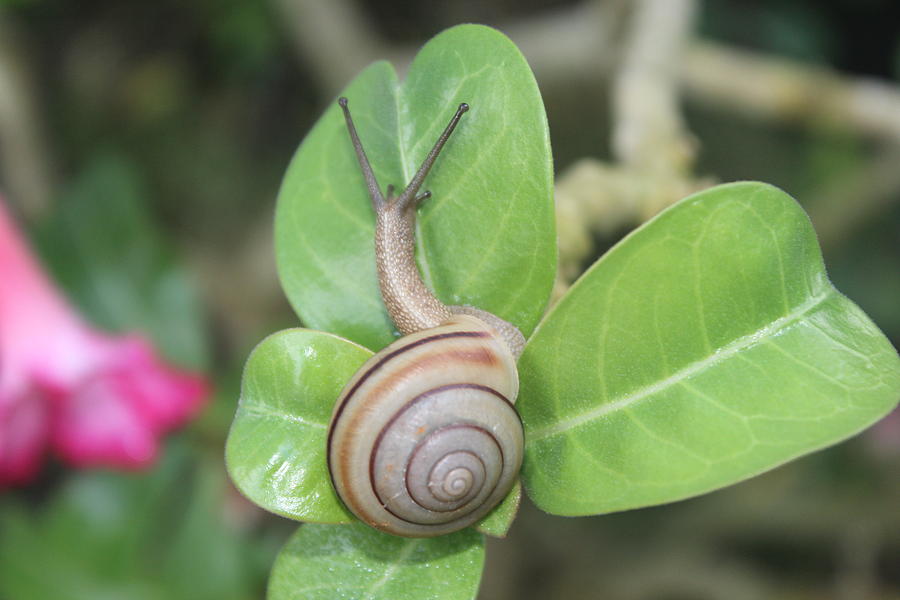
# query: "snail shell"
[[424, 439]]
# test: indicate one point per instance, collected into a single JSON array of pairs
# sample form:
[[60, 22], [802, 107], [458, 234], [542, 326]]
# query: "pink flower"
[[95, 399]]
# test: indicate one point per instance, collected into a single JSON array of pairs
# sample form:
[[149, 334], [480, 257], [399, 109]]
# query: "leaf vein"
[[724, 353], [259, 411], [401, 557]]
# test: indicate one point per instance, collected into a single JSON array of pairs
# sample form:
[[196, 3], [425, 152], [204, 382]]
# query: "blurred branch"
[[333, 39], [842, 208], [581, 41], [593, 197], [654, 151], [649, 131], [715, 74], [789, 91], [24, 159]]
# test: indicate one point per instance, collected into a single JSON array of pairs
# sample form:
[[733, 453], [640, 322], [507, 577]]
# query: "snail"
[[424, 439]]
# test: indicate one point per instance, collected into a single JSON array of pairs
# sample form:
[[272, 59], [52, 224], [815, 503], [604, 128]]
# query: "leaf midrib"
[[400, 559], [722, 354]]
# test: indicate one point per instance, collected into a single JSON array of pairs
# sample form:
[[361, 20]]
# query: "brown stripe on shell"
[[376, 367], [391, 355], [477, 356], [409, 405]]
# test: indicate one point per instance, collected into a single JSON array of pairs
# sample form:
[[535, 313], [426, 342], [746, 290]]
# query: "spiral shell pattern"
[[424, 439]]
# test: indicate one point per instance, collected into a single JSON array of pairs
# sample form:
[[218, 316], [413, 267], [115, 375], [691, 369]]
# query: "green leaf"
[[104, 247], [355, 561], [485, 238], [707, 347], [499, 520], [276, 447]]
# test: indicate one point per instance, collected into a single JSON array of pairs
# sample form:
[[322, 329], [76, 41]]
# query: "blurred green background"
[[142, 145]]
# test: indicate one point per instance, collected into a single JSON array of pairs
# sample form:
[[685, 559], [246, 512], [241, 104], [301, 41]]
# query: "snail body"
[[424, 439]]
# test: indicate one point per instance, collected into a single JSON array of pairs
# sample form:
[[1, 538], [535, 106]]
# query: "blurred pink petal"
[[94, 398], [24, 432], [116, 414]]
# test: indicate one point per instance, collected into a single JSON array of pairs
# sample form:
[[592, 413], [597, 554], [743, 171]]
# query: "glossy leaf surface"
[[326, 562], [485, 238], [276, 447], [708, 346]]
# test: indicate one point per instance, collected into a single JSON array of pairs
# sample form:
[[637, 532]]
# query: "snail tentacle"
[[368, 174]]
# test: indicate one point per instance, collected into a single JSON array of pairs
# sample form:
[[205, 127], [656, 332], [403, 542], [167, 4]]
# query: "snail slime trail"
[[424, 439]]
